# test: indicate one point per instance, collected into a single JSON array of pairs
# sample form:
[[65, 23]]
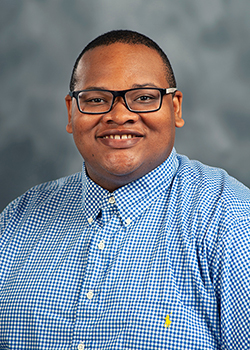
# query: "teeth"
[[119, 137]]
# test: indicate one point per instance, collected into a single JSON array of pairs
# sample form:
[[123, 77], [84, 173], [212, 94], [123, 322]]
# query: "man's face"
[[112, 161]]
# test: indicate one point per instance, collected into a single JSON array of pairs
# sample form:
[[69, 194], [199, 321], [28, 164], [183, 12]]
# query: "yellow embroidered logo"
[[167, 321]]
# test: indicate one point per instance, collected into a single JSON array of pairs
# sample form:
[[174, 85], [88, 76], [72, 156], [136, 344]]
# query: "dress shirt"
[[161, 263]]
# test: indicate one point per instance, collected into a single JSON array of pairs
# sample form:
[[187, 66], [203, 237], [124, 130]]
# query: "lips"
[[119, 137], [119, 134]]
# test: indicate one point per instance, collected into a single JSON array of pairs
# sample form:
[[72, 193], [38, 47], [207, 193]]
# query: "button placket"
[[108, 210]]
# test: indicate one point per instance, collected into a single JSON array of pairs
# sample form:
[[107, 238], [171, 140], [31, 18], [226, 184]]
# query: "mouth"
[[116, 134], [120, 137]]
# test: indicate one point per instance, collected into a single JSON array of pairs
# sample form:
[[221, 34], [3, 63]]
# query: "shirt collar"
[[132, 199]]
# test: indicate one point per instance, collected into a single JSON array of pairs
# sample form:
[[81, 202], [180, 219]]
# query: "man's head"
[[125, 37], [121, 145]]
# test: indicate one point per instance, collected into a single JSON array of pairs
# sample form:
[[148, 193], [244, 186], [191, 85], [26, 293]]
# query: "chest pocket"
[[161, 325]]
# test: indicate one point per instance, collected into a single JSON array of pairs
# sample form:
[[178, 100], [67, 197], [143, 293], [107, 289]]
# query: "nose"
[[119, 113]]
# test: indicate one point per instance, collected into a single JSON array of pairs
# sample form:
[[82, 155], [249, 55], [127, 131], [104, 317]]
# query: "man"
[[144, 249]]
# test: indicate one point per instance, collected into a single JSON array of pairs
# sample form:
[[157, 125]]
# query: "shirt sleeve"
[[7, 214], [235, 288]]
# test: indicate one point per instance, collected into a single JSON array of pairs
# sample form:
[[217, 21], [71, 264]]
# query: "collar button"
[[128, 221], [90, 220], [111, 200]]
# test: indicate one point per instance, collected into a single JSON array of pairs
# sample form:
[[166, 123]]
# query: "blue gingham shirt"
[[161, 263]]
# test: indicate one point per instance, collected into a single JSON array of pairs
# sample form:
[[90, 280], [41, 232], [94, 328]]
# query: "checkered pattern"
[[162, 263]]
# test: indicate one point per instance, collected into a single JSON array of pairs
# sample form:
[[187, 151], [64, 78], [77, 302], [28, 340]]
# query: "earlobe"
[[179, 122], [68, 102], [177, 103], [69, 128]]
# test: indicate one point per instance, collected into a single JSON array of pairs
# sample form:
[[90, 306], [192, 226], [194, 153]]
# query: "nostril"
[[111, 121]]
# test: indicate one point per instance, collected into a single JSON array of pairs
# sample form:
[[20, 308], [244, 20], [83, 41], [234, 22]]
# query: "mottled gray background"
[[206, 41]]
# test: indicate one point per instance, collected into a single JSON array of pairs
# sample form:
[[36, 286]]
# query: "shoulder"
[[215, 209], [56, 189], [212, 185], [60, 188], [213, 205], [50, 194]]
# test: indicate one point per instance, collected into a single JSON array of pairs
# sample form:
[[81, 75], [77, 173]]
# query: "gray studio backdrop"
[[208, 43]]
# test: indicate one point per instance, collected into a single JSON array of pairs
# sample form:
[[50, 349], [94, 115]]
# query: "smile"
[[119, 137]]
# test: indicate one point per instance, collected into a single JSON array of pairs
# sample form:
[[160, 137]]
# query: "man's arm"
[[235, 288]]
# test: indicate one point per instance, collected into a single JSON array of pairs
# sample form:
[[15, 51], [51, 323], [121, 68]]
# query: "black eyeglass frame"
[[122, 93]]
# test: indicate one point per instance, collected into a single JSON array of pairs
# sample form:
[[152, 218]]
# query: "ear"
[[68, 101], [177, 103]]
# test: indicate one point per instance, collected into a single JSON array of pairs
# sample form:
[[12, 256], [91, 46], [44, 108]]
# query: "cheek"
[[160, 120], [163, 137], [161, 127], [81, 130]]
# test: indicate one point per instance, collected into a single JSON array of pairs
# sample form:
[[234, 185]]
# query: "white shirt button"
[[90, 294], [101, 245], [128, 221], [81, 346], [111, 200], [90, 220]]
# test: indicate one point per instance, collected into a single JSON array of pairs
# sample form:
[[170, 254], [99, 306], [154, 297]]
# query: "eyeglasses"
[[139, 100]]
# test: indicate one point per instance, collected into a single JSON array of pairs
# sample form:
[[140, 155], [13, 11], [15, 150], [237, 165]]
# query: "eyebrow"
[[144, 85], [134, 86], [95, 88]]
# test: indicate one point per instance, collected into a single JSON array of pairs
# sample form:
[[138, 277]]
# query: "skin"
[[113, 163]]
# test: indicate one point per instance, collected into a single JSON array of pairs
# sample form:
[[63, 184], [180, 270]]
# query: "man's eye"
[[95, 100], [144, 98]]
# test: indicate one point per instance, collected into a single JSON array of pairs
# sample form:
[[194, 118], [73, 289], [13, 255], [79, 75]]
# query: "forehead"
[[121, 65]]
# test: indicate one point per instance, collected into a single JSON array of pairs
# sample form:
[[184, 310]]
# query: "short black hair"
[[125, 37]]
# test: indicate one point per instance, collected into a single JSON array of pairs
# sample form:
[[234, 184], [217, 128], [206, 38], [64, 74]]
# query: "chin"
[[121, 165], [120, 171]]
